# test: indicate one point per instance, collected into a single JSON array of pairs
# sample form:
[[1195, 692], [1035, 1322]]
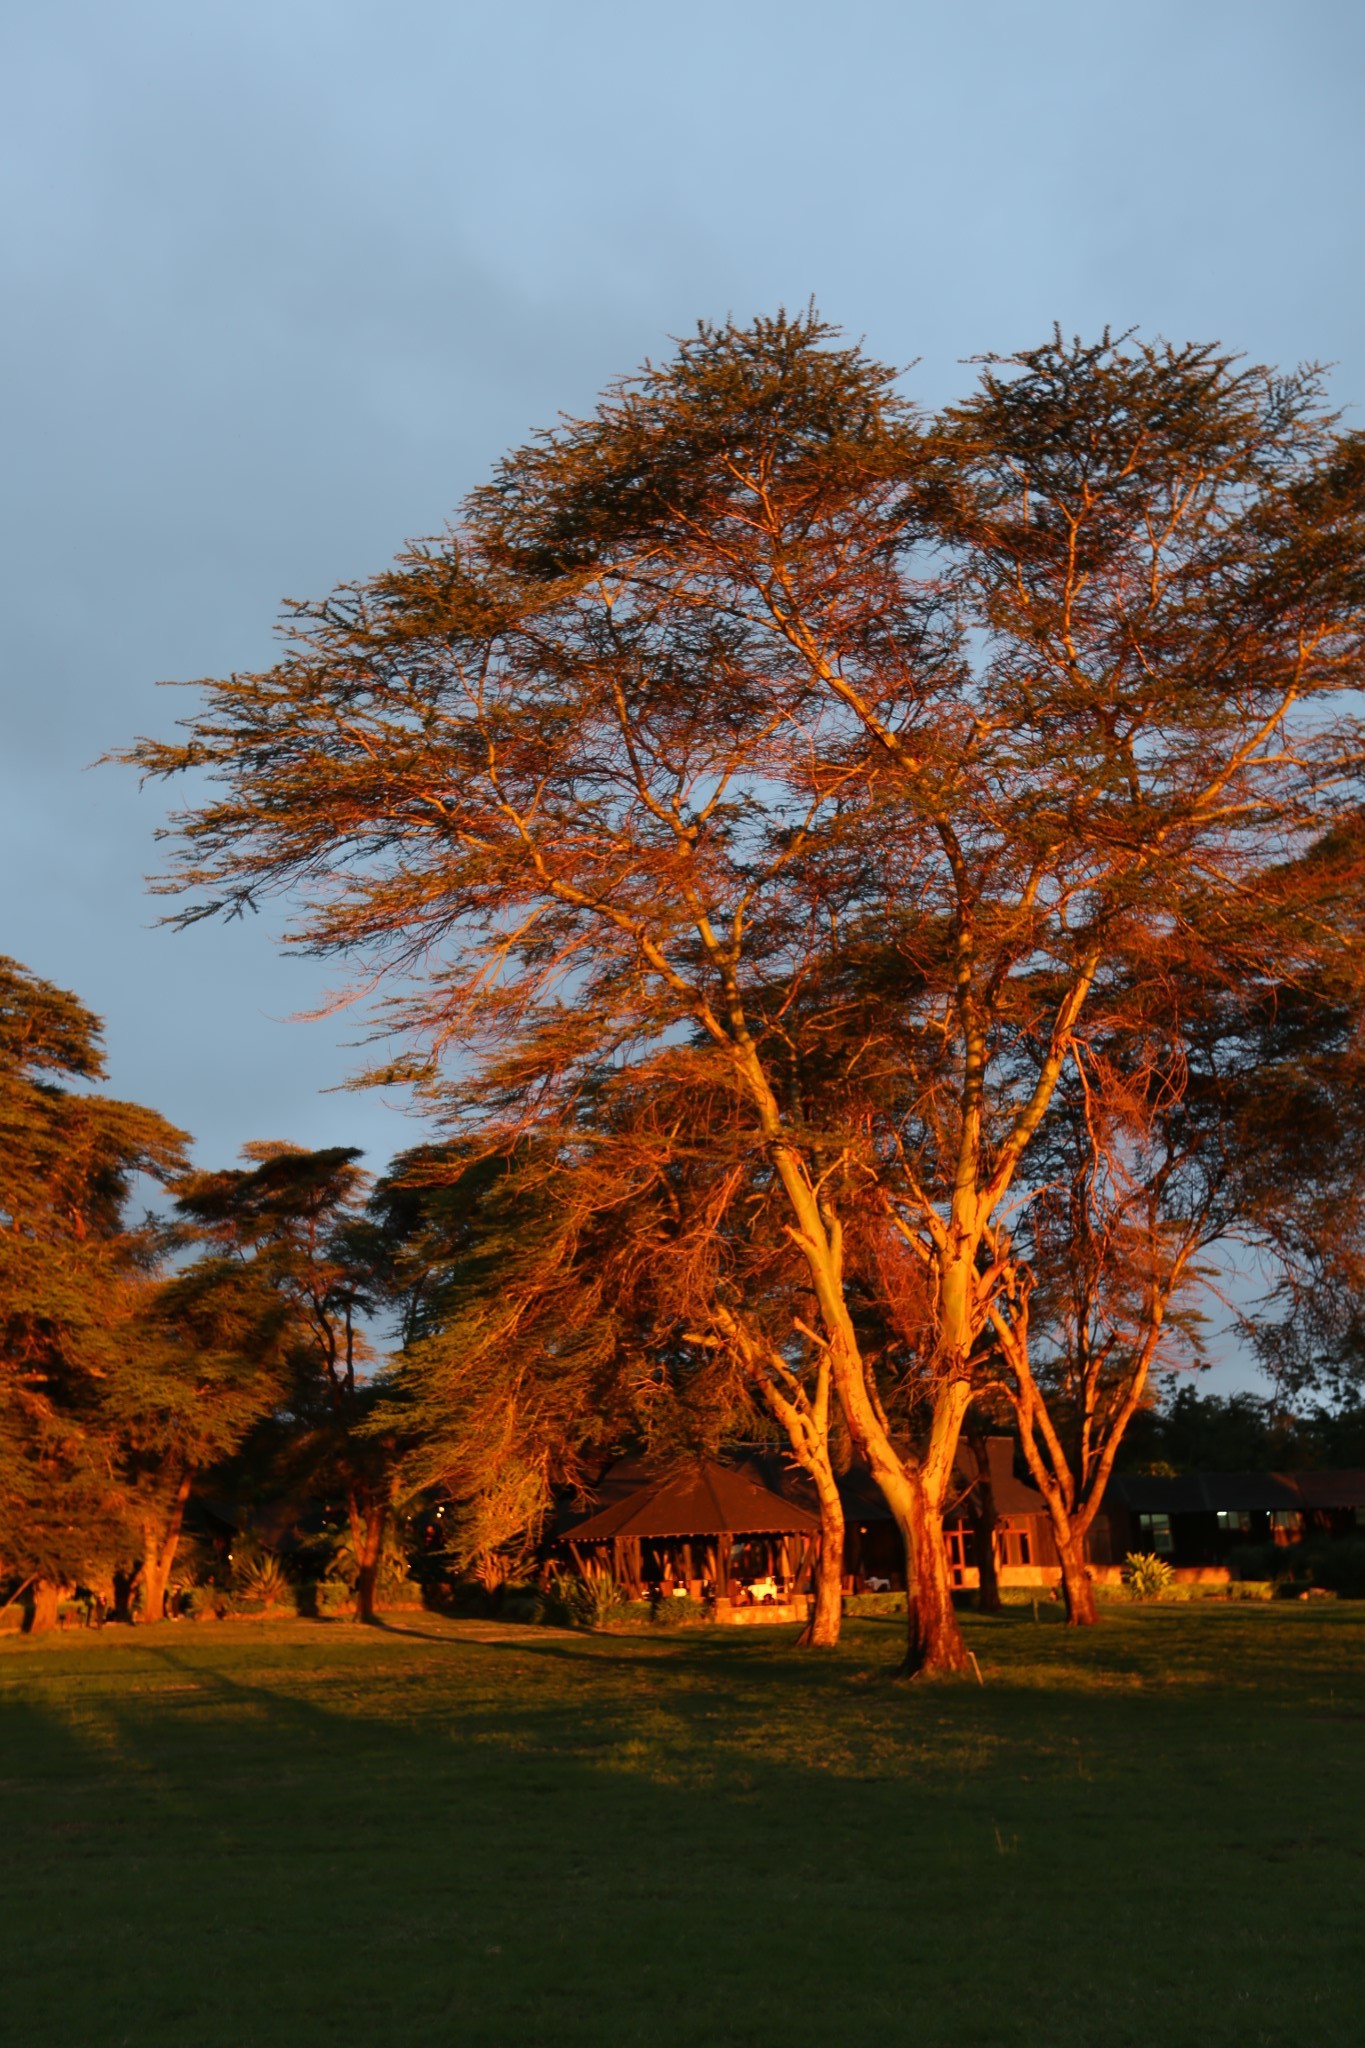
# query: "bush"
[[203, 1603], [333, 1597], [523, 1604], [680, 1613], [592, 1603], [874, 1603], [1260, 1561], [393, 1581], [258, 1578], [465, 1598], [1146, 1575], [1333, 1566]]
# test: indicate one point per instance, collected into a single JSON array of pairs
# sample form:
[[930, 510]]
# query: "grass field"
[[238, 1835]]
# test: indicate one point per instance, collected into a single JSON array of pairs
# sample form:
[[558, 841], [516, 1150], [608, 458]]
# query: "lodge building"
[[744, 1537]]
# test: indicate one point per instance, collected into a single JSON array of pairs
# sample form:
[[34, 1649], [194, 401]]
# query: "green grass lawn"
[[244, 1834]]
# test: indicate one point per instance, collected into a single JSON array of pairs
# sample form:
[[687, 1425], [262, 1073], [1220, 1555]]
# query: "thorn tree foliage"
[[758, 692]]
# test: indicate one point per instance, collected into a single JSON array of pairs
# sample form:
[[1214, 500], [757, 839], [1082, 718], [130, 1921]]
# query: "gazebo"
[[704, 1529]]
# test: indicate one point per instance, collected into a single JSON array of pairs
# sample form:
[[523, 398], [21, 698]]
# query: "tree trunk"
[[367, 1577], [984, 1520], [934, 1646], [827, 1595], [44, 1595], [1078, 1587], [159, 1545], [156, 1570], [988, 1599], [1068, 1533]]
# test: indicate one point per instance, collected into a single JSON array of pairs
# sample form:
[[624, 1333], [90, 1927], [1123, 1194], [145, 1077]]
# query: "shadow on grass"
[[430, 1833]]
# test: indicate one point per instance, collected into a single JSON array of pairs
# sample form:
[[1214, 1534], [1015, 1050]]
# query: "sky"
[[282, 280]]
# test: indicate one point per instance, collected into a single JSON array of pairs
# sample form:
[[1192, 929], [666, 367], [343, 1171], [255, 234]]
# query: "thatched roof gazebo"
[[700, 1528]]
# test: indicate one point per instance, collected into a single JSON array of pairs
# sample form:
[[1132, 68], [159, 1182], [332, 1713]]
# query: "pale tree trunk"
[[934, 1646], [1078, 1588], [369, 1524], [803, 1411], [827, 1600], [159, 1545], [914, 1492], [1072, 1497], [1074, 1488], [1068, 1533], [44, 1594]]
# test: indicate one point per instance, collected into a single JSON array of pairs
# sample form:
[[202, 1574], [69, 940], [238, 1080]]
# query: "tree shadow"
[[422, 1833]]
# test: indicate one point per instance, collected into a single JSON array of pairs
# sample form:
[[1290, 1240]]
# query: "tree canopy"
[[758, 699]]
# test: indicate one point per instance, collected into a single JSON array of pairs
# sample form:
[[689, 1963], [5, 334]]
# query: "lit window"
[[1155, 1534]]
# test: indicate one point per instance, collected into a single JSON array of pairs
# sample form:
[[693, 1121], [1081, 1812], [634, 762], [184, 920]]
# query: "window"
[[961, 1548], [1154, 1533]]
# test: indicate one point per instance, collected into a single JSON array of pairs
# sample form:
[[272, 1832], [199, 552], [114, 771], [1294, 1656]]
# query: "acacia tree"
[[1098, 1306], [201, 1361], [598, 1288], [1232, 1121], [699, 1254], [752, 675], [508, 1379], [73, 1271], [293, 1219]]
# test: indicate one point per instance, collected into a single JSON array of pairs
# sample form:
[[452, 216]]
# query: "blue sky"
[[282, 280]]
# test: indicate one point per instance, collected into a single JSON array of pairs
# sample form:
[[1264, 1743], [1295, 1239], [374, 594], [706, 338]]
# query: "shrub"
[[679, 1613], [1146, 1575], [874, 1603], [591, 1603], [258, 1578], [1335, 1565], [332, 1597], [1339, 1568], [463, 1597], [332, 1557], [523, 1604], [1260, 1561], [203, 1603]]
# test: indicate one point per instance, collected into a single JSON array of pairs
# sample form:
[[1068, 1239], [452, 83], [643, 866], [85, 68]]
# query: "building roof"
[[864, 1500], [1203, 1493], [1327, 1489], [702, 1499], [1010, 1495]]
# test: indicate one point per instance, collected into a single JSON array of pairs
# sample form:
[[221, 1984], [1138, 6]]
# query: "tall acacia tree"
[[751, 673]]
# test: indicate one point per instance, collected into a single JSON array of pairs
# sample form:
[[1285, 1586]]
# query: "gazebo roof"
[[705, 1499]]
